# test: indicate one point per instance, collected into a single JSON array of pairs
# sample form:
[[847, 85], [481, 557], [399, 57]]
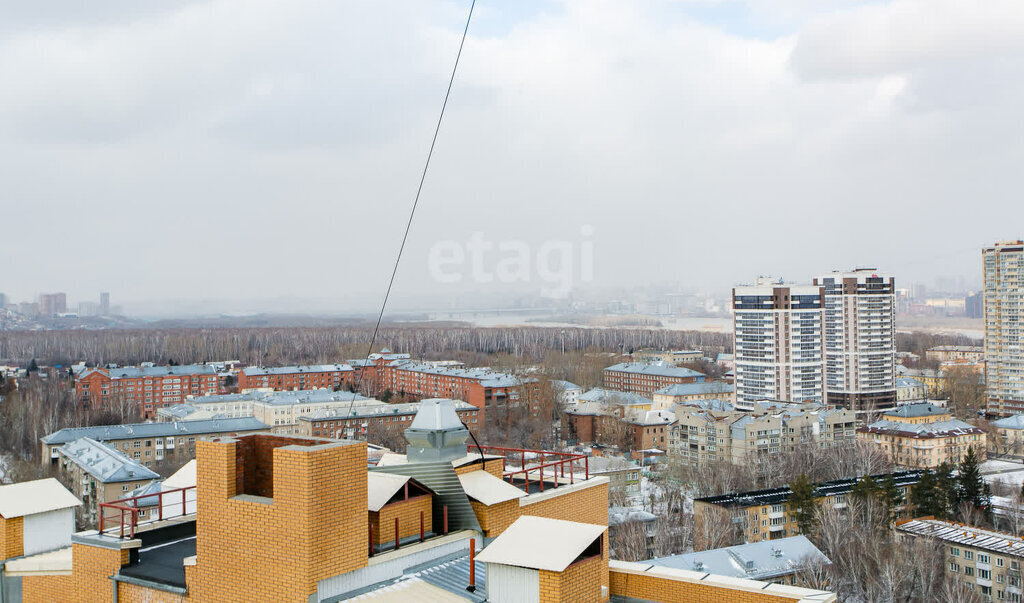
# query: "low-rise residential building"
[[934, 381], [1008, 442], [624, 426], [909, 389], [278, 409], [945, 353], [566, 392], [150, 443], [758, 515], [923, 435], [357, 422], [778, 561], [624, 478], [680, 393], [481, 387], [147, 386], [647, 377], [987, 562], [281, 378], [99, 473], [708, 436]]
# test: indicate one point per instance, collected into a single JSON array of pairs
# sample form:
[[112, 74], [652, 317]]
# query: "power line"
[[415, 204]]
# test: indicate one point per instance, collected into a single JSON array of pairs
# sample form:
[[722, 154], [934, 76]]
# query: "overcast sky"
[[258, 150]]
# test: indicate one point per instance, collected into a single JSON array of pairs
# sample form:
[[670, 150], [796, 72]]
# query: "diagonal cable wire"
[[415, 204]]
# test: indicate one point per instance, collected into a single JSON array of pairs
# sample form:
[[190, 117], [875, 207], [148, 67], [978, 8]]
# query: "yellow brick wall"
[[666, 590], [495, 467], [589, 505], [495, 518], [90, 582], [131, 593], [314, 528], [579, 582], [408, 514], [11, 537]]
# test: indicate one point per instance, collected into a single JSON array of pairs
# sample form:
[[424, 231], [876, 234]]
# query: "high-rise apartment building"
[[1004, 327], [104, 304], [777, 342], [53, 303], [860, 339]]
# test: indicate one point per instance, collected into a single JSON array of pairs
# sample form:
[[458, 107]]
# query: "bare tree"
[[628, 541], [712, 528]]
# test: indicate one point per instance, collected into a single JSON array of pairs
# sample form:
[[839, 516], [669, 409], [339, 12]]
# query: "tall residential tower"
[[1004, 326], [777, 341], [860, 339]]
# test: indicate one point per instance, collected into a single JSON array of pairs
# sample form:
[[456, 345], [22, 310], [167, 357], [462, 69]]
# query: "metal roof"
[[380, 487], [485, 376], [104, 463], [919, 409], [157, 371], [103, 433], [255, 371], [659, 369], [772, 496], [936, 429], [37, 496], [694, 389], [541, 543], [608, 396], [488, 489], [997, 542], [753, 561]]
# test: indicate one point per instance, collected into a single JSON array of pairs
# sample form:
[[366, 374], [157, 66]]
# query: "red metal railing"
[[538, 460], [128, 508]]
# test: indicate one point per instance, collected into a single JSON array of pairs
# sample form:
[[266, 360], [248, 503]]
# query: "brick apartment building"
[[301, 520], [481, 387], [647, 377], [150, 387], [281, 378]]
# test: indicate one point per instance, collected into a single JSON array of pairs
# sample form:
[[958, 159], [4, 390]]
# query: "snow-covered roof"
[[541, 543], [1011, 422], [488, 489], [660, 369], [38, 496], [255, 371], [754, 561], [104, 463]]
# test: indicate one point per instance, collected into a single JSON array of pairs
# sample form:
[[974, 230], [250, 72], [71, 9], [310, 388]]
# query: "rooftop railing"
[[122, 515], [535, 465]]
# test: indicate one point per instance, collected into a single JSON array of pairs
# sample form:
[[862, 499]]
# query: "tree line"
[[267, 346]]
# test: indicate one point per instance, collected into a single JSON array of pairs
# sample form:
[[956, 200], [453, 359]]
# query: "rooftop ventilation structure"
[[436, 433]]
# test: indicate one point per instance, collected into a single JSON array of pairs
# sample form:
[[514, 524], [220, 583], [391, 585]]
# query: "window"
[[984, 574], [137, 444], [968, 555], [983, 558], [968, 571], [953, 567]]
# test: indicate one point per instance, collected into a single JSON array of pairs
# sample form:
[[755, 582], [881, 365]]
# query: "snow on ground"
[[997, 465], [1009, 477]]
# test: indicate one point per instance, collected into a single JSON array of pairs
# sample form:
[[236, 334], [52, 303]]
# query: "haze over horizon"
[[234, 151]]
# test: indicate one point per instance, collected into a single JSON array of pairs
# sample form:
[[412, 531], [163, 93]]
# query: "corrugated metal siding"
[[510, 584]]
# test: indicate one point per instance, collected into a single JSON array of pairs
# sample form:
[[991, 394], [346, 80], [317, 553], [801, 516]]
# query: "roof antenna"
[[416, 200]]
